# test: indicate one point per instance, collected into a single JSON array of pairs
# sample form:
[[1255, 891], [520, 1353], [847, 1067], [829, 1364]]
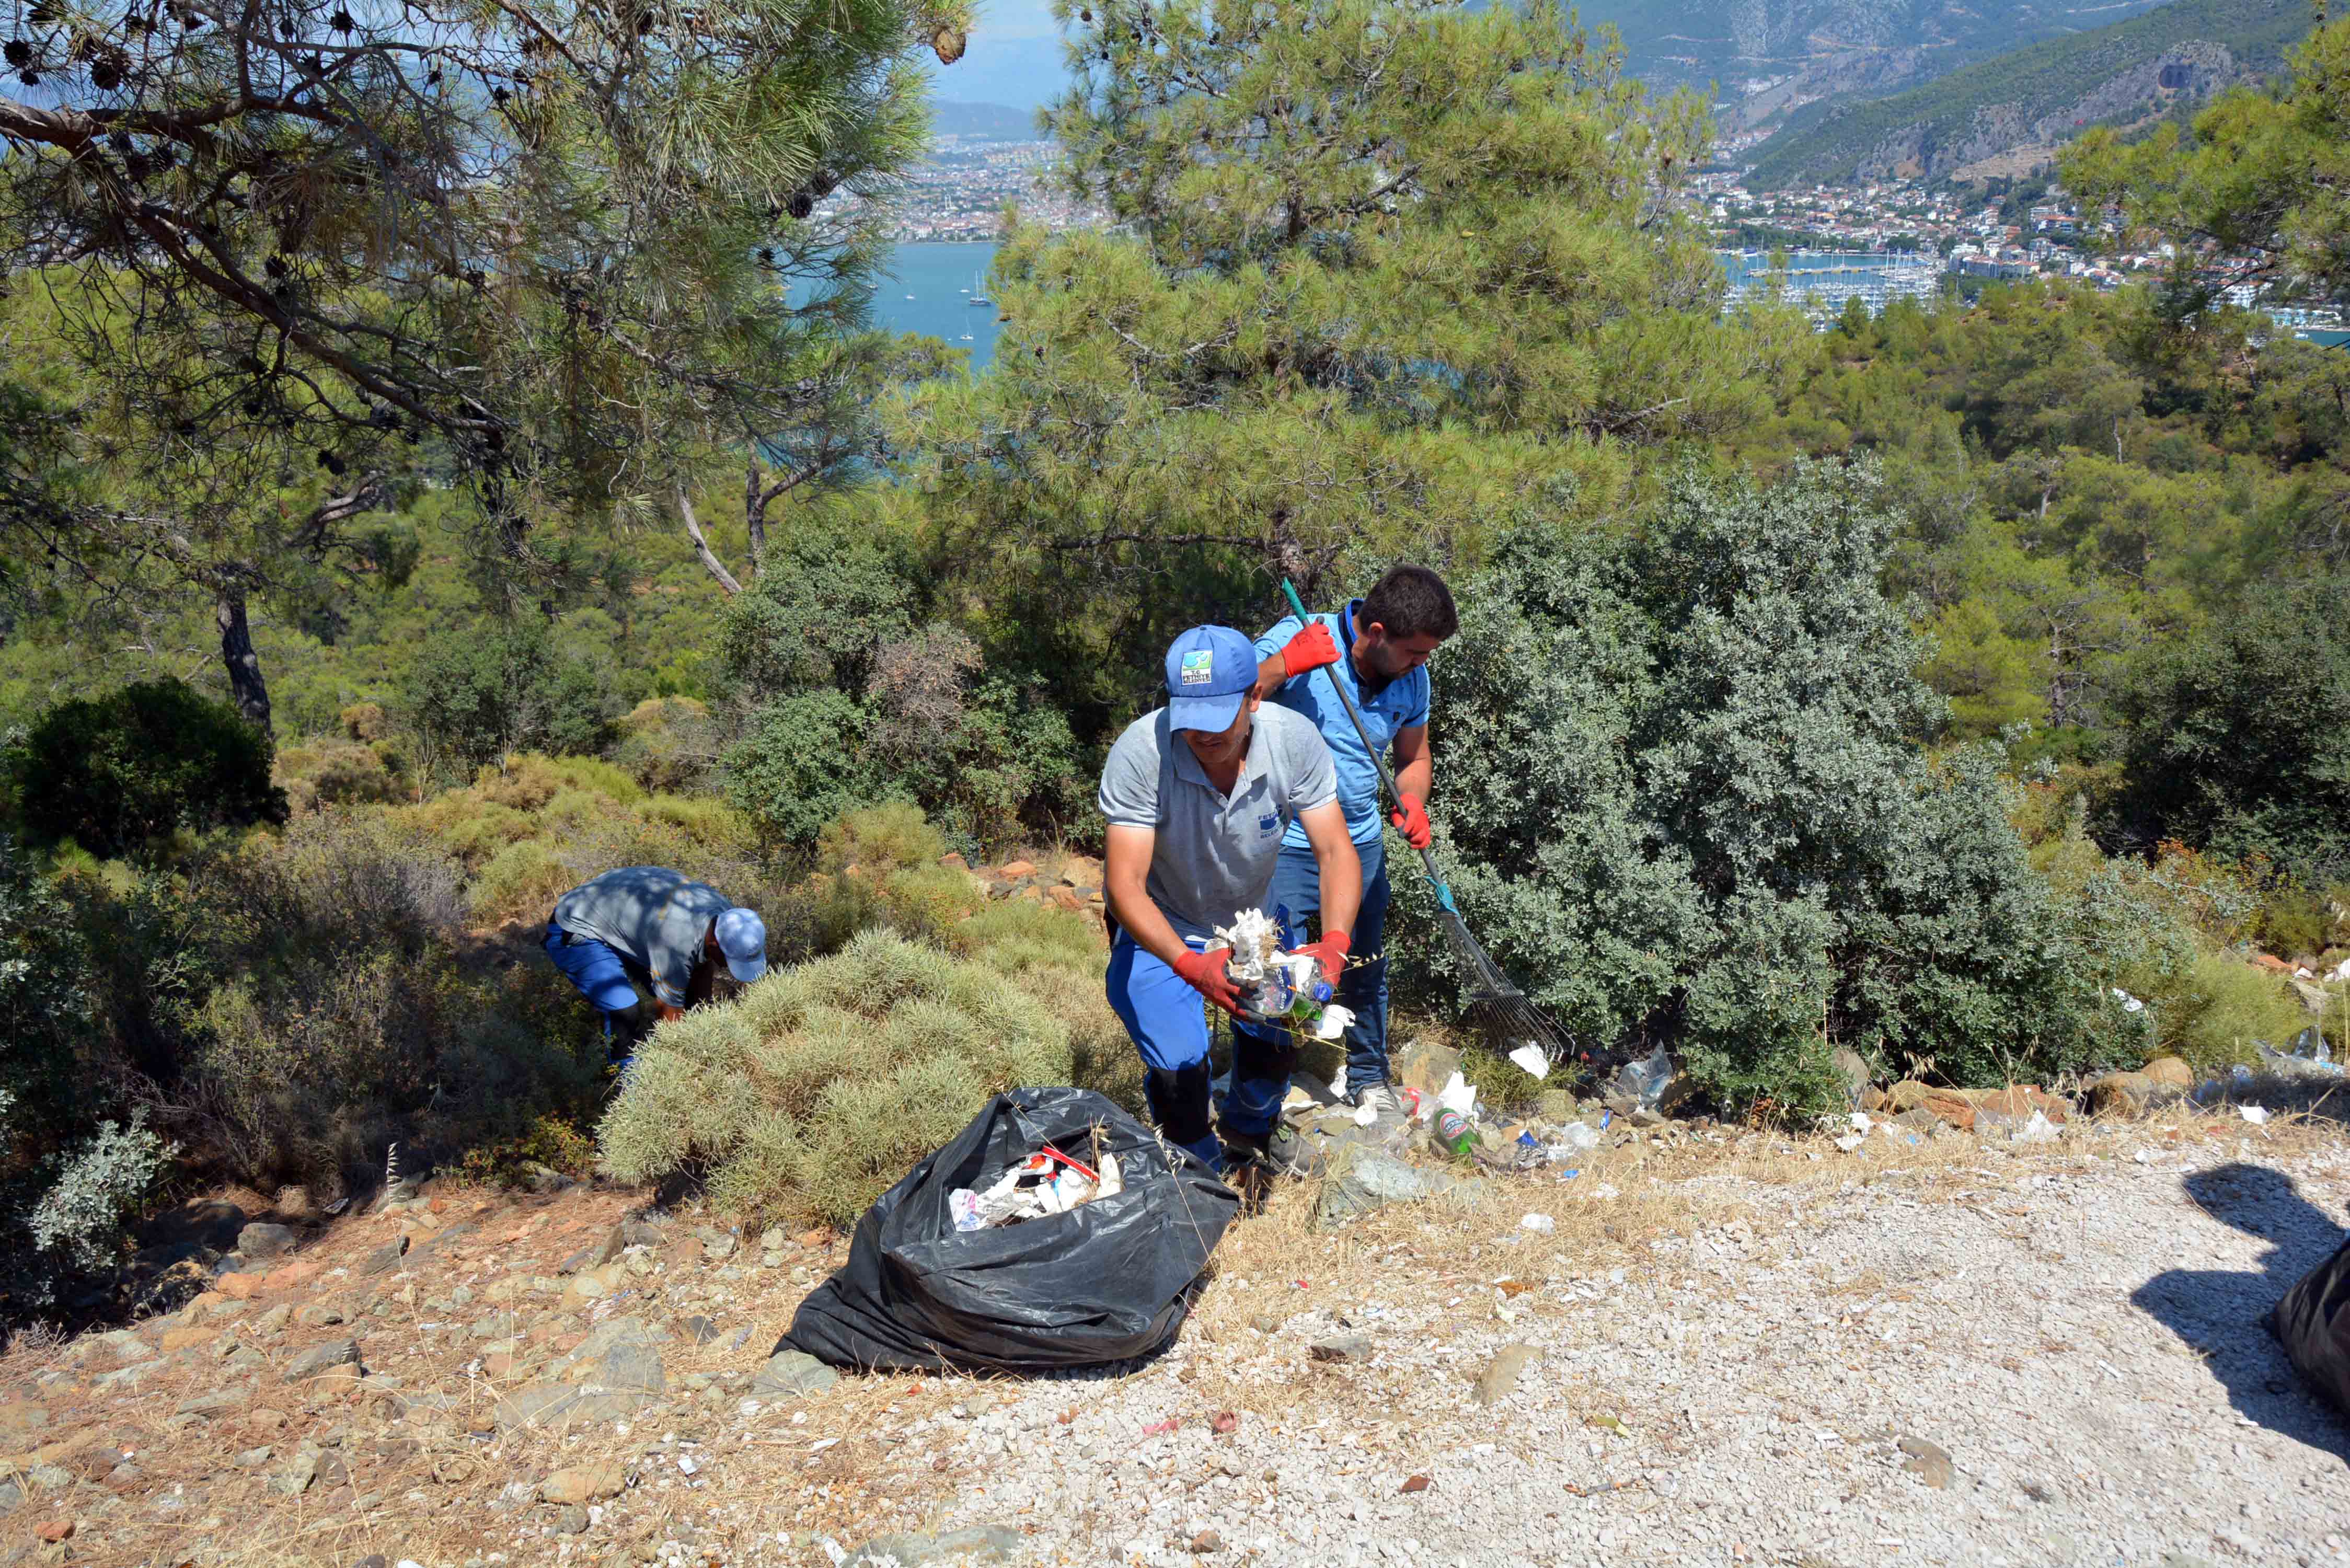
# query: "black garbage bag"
[[2314, 1323], [1106, 1281]]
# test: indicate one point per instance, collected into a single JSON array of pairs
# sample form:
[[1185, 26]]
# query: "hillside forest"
[[1965, 687]]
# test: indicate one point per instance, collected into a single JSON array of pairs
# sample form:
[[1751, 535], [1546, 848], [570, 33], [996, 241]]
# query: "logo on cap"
[[1199, 667]]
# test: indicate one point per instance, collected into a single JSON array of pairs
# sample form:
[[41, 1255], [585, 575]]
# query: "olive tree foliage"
[[549, 237], [1687, 782], [1394, 270]]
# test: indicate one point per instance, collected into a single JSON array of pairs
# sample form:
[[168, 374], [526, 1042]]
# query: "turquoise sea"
[[930, 290]]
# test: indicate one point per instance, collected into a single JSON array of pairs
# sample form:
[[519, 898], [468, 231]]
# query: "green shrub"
[[331, 772], [473, 699], [97, 1190], [1686, 791], [117, 774], [2212, 1009], [818, 1088], [337, 1015], [668, 743], [893, 836], [522, 881], [2236, 738], [799, 766]]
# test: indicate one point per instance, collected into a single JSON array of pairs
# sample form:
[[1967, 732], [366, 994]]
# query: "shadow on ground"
[[2223, 1314]]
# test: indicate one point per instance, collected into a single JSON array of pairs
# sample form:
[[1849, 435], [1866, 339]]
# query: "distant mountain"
[[996, 121], [1771, 55], [2008, 110]]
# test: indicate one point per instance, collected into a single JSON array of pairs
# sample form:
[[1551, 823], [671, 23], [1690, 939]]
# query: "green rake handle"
[[1378, 759]]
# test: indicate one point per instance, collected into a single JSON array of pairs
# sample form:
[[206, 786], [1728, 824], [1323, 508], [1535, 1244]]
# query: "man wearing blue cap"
[[649, 924], [1198, 795]]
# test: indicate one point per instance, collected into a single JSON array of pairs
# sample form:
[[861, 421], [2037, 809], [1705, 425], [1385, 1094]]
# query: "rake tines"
[[1500, 1009]]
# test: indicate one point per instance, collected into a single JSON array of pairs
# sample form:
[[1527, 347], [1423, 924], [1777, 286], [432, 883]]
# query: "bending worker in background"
[[1378, 647], [649, 925], [1198, 795]]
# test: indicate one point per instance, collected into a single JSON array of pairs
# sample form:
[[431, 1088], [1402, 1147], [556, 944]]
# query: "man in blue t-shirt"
[[1378, 647]]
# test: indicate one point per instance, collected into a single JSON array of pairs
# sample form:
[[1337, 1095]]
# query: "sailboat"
[[978, 290]]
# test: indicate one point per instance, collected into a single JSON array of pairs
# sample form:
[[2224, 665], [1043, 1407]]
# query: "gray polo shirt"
[[655, 917], [1214, 854]]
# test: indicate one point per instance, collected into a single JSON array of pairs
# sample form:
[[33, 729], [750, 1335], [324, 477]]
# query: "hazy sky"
[[1014, 58]]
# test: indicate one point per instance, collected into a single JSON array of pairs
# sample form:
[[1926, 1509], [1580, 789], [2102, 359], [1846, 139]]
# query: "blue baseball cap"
[[743, 938], [1209, 669]]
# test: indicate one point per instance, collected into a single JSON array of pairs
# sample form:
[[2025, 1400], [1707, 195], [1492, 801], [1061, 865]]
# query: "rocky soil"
[[1723, 1347]]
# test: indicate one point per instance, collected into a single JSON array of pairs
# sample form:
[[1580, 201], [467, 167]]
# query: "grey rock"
[[792, 1374], [719, 1247], [1927, 1461], [320, 1359], [295, 1478], [615, 1242], [443, 1238], [373, 1560], [699, 1330], [632, 1366], [219, 1402], [1362, 1180], [385, 1258], [275, 1320], [319, 1315], [570, 1520], [1500, 1374], [126, 1377], [1852, 1070], [986, 1542], [245, 1358], [11, 1492], [559, 1404], [254, 1459], [262, 1239], [49, 1478], [1341, 1347]]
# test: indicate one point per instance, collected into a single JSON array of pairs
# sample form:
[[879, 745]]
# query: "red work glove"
[[1411, 818], [1204, 972], [1309, 650], [1330, 952]]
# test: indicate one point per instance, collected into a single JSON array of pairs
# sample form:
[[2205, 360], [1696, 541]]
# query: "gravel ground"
[[2081, 1338]]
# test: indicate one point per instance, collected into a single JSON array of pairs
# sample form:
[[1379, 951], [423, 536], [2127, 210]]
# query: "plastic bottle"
[[1455, 1133]]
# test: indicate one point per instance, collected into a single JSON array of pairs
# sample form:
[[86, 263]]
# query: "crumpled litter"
[[1047, 1182], [1858, 1135], [1530, 1059], [1458, 1095], [2039, 1129]]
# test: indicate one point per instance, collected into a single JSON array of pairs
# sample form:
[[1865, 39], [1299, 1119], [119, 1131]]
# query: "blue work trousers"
[[1296, 892], [1169, 1022], [602, 977]]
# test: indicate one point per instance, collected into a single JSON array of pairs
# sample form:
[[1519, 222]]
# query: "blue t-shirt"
[[1400, 704]]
